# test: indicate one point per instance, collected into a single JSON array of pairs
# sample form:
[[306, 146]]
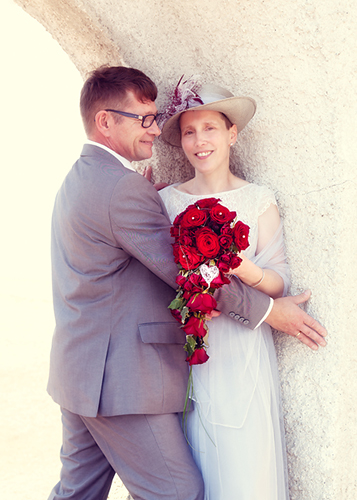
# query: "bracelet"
[[261, 279]]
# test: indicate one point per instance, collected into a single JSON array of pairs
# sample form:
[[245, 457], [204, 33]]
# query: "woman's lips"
[[203, 154]]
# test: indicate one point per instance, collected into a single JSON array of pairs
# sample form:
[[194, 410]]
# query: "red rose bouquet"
[[207, 240]]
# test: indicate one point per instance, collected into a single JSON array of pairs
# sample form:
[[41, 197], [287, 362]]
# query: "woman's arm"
[[266, 280]]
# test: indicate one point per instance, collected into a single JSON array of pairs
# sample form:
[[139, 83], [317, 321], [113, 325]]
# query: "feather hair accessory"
[[184, 96]]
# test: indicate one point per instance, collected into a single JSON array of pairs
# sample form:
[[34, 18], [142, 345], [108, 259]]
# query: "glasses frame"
[[137, 117]]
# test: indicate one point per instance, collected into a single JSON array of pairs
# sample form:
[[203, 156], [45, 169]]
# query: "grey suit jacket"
[[116, 348]]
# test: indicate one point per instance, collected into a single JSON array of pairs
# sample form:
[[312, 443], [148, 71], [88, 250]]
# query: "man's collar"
[[122, 160]]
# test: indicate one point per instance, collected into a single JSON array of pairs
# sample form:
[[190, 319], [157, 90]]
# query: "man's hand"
[[147, 174], [287, 317]]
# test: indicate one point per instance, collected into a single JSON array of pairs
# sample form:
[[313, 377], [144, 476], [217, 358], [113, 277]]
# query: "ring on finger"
[[298, 333]]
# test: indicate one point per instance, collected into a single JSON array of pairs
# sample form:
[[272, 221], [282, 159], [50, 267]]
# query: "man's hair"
[[107, 86]]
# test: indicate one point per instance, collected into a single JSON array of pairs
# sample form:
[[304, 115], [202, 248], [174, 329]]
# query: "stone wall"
[[297, 60]]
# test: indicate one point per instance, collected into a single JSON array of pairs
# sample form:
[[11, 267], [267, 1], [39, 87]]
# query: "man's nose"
[[154, 129]]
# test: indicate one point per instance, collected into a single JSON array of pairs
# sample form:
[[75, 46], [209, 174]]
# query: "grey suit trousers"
[[149, 453]]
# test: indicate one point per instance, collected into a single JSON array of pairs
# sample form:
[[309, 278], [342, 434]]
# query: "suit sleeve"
[[141, 227], [242, 303]]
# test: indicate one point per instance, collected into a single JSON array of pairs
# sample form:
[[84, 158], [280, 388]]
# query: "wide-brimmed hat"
[[239, 110]]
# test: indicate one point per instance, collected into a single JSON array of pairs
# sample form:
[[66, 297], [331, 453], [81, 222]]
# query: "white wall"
[[297, 59]]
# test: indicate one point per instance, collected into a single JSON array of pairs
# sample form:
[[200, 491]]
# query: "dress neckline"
[[211, 195]]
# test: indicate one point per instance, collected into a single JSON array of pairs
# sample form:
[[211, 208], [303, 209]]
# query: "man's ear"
[[103, 122]]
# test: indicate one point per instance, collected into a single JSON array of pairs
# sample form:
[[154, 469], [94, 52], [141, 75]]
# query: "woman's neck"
[[204, 184]]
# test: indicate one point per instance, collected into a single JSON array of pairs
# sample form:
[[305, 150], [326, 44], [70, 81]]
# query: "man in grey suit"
[[118, 366]]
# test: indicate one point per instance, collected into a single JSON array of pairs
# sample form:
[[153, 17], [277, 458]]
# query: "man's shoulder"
[[98, 165], [93, 153], [95, 175], [98, 170]]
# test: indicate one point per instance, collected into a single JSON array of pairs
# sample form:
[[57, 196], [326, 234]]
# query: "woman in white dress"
[[235, 430]]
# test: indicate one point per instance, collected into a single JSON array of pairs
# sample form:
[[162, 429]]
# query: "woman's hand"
[[265, 280], [148, 173], [212, 314]]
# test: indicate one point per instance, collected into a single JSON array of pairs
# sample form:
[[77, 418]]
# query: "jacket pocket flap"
[[162, 333]]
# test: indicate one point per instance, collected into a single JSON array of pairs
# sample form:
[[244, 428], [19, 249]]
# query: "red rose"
[[235, 261], [240, 234], [185, 239], [225, 240], [198, 357], [226, 229], [192, 285], [224, 263], [189, 258], [207, 242], [176, 314], [228, 261], [197, 280], [203, 302], [207, 202], [195, 326], [174, 231], [181, 235], [221, 214], [219, 281], [181, 280], [178, 218], [193, 218]]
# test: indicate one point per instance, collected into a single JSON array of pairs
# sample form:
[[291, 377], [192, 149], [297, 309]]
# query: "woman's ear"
[[233, 133]]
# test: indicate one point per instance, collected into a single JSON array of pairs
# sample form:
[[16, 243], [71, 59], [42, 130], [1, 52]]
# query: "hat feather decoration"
[[183, 97]]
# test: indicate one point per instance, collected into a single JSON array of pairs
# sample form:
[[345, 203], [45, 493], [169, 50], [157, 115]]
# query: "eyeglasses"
[[146, 121]]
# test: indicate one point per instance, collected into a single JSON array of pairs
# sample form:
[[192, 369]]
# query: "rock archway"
[[297, 59]]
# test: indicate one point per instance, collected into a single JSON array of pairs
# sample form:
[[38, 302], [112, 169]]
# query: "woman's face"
[[206, 140]]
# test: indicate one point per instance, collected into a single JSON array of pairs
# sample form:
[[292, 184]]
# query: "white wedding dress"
[[236, 430]]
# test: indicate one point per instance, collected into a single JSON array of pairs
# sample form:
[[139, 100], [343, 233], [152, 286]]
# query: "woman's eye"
[[188, 132]]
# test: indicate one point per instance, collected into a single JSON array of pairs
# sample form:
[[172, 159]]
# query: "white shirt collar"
[[122, 160]]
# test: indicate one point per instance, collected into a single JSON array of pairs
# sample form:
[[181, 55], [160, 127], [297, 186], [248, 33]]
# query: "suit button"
[[241, 319], [231, 314], [237, 317], [246, 322]]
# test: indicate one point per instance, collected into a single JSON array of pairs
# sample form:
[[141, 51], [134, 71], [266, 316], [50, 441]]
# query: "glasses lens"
[[148, 120]]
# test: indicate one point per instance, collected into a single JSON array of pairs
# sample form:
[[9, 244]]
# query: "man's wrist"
[[271, 303]]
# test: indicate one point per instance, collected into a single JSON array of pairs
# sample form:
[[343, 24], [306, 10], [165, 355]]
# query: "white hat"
[[239, 110]]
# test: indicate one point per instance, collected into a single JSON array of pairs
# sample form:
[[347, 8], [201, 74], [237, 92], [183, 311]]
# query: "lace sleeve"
[[266, 198]]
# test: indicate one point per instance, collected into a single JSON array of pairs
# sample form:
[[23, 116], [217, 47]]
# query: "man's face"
[[127, 137]]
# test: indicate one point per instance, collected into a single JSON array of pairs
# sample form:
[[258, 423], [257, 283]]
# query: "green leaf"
[[190, 344], [184, 313], [176, 304]]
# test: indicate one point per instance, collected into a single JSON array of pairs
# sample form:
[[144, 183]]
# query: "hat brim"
[[239, 110]]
